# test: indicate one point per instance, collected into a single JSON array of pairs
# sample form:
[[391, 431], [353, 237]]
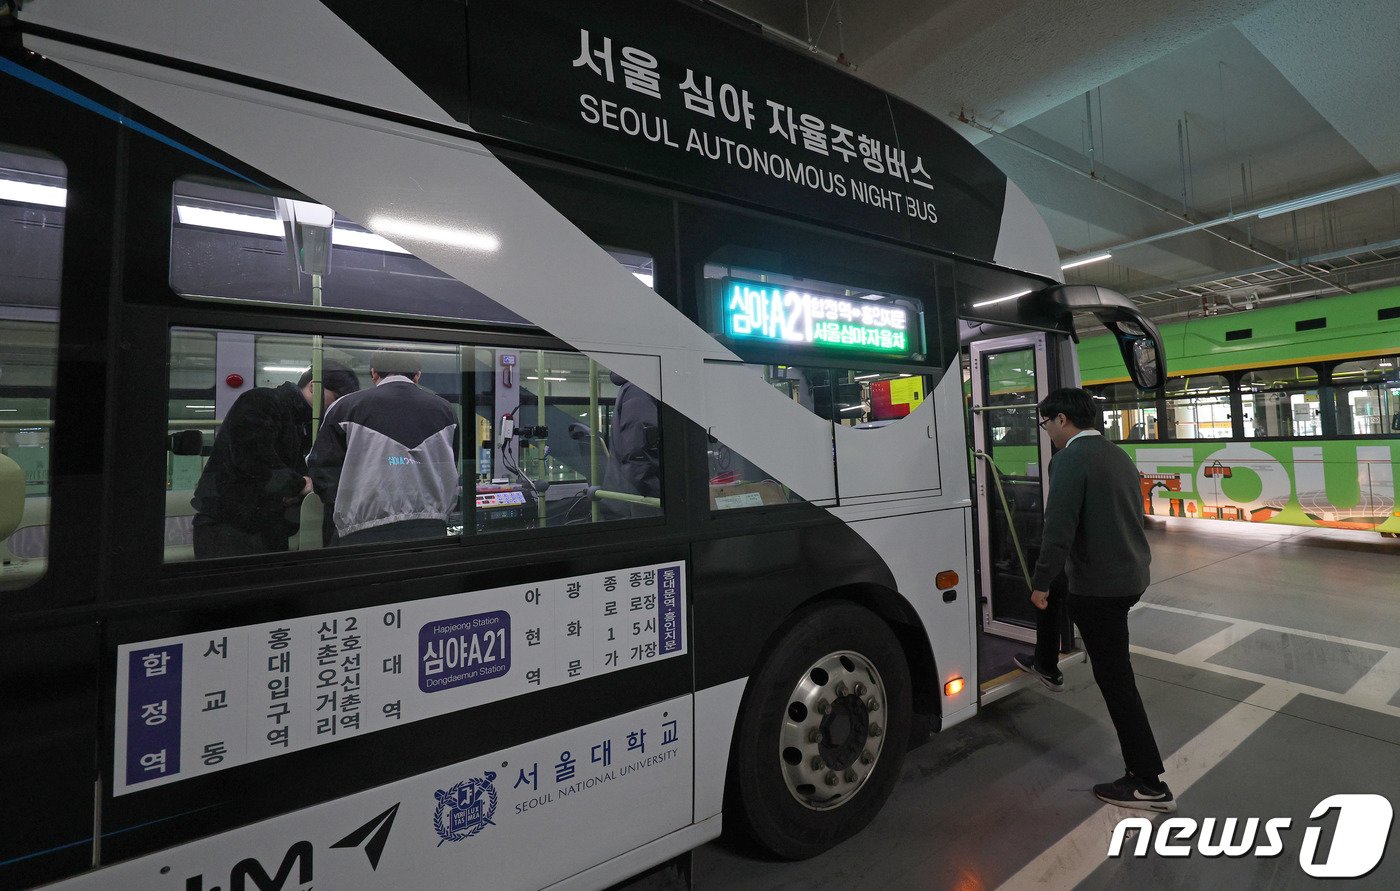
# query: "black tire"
[[767, 799]]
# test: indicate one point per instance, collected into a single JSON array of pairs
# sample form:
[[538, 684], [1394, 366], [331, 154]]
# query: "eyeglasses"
[[1043, 422]]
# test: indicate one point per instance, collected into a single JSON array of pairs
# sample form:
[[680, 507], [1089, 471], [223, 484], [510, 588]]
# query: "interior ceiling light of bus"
[[32, 193], [1000, 299], [252, 224]]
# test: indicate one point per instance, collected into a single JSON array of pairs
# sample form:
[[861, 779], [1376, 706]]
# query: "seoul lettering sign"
[[794, 317]]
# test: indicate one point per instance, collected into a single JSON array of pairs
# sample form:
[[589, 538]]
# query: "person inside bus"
[[385, 460], [1094, 533], [248, 496], [634, 452]]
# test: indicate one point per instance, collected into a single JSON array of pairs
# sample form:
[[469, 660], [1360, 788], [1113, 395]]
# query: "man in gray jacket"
[[385, 461], [1094, 533]]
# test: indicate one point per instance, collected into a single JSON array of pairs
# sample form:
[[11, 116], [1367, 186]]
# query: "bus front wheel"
[[821, 739]]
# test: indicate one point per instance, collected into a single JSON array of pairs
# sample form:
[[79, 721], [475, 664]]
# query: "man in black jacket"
[[1094, 533], [246, 501], [634, 451]]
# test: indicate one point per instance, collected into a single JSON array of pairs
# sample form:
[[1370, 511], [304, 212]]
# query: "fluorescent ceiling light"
[[367, 240], [451, 236], [645, 278], [1084, 261], [1360, 188], [9, 409], [256, 225], [860, 407], [531, 377], [866, 377], [32, 193], [204, 407], [227, 220], [1000, 299], [285, 369]]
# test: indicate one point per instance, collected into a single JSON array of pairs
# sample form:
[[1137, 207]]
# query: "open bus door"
[[1009, 375]]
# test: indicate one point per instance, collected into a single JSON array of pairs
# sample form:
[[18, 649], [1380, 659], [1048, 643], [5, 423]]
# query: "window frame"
[[143, 402], [1166, 401], [610, 211]]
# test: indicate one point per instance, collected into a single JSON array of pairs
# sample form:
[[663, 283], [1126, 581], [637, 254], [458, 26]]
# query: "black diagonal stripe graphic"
[[375, 848]]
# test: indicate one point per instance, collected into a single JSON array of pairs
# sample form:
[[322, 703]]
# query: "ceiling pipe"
[[781, 36], [1205, 227]]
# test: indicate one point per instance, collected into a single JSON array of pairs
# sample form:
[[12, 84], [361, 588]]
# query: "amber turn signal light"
[[945, 579], [953, 687]]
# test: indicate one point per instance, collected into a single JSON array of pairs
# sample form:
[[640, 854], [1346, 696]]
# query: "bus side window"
[[564, 440], [1129, 414], [1198, 407], [33, 189], [1367, 396], [230, 243], [265, 458], [856, 398], [1281, 402]]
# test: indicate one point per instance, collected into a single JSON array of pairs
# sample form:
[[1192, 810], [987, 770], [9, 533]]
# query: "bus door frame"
[[985, 487]]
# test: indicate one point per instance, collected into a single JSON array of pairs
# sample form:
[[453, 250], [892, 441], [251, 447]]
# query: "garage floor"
[[1269, 661]]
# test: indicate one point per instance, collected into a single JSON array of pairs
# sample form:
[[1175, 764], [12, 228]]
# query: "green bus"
[[1287, 414]]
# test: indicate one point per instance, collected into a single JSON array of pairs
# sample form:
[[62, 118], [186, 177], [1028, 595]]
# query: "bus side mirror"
[[1138, 339], [1140, 355]]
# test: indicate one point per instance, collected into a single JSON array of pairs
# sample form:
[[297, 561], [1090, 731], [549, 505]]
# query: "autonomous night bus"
[[698, 303]]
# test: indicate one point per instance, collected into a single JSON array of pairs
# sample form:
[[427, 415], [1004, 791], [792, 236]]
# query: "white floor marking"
[[1254, 626], [1379, 685], [1372, 691], [1075, 856]]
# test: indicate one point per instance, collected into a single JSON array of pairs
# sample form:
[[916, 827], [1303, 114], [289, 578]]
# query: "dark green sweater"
[[1093, 522]]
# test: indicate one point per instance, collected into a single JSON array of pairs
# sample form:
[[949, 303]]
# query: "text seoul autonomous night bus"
[[697, 540]]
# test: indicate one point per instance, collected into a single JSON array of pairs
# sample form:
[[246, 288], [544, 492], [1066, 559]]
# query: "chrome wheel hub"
[[833, 730]]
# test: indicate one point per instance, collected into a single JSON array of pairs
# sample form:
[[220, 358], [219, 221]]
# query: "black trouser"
[[1049, 626], [1103, 625], [213, 539], [1047, 631]]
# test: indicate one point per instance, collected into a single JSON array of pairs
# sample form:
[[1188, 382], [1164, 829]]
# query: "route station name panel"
[[201, 703]]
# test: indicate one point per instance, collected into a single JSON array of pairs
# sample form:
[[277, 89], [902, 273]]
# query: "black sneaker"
[[1129, 791], [1052, 679]]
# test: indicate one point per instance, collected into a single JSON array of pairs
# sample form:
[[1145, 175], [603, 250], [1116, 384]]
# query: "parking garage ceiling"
[[1132, 122]]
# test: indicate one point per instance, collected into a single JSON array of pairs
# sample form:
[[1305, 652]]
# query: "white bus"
[[708, 546]]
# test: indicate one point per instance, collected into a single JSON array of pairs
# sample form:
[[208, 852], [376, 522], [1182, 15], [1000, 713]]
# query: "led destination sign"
[[783, 315]]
